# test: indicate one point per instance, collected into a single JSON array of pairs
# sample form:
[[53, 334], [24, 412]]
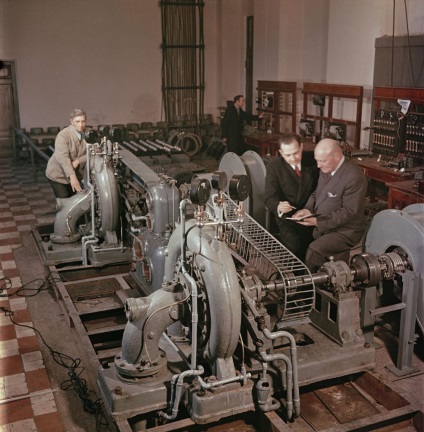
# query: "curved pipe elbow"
[[70, 210]]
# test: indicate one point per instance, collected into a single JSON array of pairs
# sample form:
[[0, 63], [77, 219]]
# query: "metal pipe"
[[159, 146], [243, 377], [138, 218], [135, 230], [144, 149], [90, 238], [120, 247], [168, 145], [289, 377], [190, 280], [293, 352], [178, 380], [32, 145], [293, 355], [132, 147], [148, 145], [206, 386]]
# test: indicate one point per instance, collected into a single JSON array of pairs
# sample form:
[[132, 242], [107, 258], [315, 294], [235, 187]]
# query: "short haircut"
[[77, 112], [288, 138], [236, 98]]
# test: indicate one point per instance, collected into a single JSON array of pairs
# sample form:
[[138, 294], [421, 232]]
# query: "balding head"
[[328, 154]]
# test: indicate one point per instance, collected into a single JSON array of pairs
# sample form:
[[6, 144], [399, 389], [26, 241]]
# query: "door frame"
[[249, 63]]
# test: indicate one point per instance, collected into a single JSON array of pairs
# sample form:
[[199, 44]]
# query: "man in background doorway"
[[290, 180], [233, 123]]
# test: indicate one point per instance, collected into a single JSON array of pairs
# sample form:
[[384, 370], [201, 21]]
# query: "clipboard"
[[304, 217]]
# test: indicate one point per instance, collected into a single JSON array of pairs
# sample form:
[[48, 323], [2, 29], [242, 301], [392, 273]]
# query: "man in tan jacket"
[[70, 155]]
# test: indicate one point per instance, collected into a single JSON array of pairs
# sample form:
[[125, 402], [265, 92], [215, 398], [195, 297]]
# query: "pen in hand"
[[280, 213]]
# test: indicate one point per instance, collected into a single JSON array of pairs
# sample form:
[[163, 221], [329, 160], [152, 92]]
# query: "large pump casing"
[[149, 247], [401, 230]]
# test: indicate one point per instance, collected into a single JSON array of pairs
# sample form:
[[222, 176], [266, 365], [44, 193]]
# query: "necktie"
[[326, 177], [297, 170]]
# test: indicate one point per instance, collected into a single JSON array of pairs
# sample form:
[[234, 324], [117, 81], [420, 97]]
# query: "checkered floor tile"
[[26, 399]]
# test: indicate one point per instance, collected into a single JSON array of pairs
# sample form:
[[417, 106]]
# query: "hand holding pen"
[[284, 207]]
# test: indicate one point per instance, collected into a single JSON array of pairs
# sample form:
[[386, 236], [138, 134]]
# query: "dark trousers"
[[329, 245], [235, 145], [61, 190], [295, 237]]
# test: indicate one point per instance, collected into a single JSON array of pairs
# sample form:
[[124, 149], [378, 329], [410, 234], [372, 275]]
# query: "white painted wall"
[[231, 36], [105, 56], [105, 59], [353, 27]]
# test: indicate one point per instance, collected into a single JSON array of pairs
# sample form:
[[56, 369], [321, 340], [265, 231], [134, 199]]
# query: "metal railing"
[[33, 149]]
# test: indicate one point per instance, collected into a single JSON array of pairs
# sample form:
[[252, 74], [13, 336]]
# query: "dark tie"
[[297, 170], [326, 178]]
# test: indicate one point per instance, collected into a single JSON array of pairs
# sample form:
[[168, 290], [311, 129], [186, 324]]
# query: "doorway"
[[9, 113]]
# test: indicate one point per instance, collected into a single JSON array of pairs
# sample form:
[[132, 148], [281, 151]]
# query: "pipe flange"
[[141, 369], [253, 285]]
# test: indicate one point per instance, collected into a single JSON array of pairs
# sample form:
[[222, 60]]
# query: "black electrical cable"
[[73, 365], [27, 290]]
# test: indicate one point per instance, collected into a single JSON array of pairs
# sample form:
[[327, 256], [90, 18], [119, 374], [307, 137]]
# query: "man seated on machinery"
[[336, 209]]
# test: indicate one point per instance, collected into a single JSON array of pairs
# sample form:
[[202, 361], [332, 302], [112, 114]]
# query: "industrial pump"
[[226, 319]]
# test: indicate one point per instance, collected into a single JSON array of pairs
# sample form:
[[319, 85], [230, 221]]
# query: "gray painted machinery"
[[225, 319]]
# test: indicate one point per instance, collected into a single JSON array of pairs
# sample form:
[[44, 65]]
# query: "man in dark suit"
[[290, 180], [233, 123], [338, 203]]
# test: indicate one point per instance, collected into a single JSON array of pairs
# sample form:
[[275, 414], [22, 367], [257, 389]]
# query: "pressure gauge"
[[240, 187], [200, 190], [104, 130], [115, 135], [219, 180], [91, 136]]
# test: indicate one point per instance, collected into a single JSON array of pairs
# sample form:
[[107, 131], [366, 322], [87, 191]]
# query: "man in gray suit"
[[336, 206]]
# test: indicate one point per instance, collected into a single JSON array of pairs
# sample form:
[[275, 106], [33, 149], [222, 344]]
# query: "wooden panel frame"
[[332, 91], [278, 87]]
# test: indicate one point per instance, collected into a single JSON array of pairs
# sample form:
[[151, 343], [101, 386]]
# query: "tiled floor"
[[26, 398]]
